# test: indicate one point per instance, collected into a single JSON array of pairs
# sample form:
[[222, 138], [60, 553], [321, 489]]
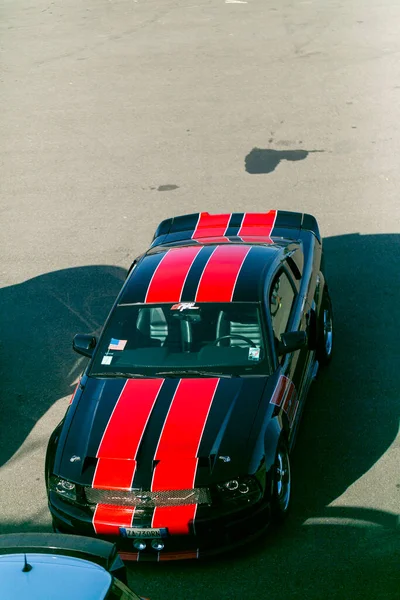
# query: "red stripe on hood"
[[121, 439], [211, 226], [178, 449], [170, 276], [218, 281], [257, 225]]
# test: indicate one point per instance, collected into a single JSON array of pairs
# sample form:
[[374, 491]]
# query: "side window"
[[280, 303]]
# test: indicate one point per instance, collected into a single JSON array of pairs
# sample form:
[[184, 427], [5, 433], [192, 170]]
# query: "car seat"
[[240, 323], [152, 324]]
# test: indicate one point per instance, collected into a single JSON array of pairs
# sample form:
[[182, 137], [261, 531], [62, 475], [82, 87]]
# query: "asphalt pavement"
[[115, 114]]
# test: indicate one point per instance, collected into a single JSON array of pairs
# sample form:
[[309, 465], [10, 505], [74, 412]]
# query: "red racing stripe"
[[257, 225], [170, 276], [277, 396], [130, 556], [178, 448], [218, 281], [185, 554], [213, 226], [285, 396], [121, 439], [175, 518], [74, 394], [107, 518], [213, 240]]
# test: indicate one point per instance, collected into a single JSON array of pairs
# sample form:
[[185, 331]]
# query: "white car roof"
[[52, 578]]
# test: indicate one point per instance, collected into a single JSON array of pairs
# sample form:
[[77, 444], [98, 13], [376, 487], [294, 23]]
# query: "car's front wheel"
[[282, 485], [325, 330]]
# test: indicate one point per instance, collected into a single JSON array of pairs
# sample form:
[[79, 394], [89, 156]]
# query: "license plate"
[[142, 532]]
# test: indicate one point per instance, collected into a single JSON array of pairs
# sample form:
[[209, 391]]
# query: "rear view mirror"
[[84, 344], [291, 341]]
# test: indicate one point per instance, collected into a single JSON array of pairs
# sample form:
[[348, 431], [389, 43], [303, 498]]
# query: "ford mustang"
[[177, 440]]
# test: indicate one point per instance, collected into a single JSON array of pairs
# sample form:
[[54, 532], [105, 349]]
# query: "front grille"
[[150, 499]]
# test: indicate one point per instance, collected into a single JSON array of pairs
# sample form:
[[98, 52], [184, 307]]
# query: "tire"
[[325, 331], [282, 483]]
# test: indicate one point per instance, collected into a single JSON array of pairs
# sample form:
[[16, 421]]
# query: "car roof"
[[52, 578], [209, 272]]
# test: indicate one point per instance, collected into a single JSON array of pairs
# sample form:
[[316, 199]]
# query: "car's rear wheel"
[[282, 486], [325, 331]]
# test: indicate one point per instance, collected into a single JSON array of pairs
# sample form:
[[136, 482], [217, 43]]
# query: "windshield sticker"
[[117, 344], [106, 360], [254, 353], [184, 306]]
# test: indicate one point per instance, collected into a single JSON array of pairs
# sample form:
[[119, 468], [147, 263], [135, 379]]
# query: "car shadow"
[[352, 414], [38, 319]]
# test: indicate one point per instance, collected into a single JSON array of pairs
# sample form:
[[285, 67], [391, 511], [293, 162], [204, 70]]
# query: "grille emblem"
[[143, 498], [74, 458]]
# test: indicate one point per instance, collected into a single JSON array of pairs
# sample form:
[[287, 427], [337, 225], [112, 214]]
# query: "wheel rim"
[[328, 333], [283, 479]]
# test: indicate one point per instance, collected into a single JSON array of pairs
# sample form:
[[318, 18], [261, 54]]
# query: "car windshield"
[[181, 339]]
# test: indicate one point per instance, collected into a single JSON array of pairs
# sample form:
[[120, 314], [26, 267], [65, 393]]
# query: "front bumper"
[[211, 535]]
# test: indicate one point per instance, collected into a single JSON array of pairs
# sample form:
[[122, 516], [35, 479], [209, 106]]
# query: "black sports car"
[[176, 442]]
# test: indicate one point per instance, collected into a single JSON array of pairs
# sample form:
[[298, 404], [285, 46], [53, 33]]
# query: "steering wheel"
[[234, 335]]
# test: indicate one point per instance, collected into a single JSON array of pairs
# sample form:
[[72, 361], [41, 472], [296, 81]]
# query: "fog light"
[[243, 488], [157, 545], [139, 545], [232, 485]]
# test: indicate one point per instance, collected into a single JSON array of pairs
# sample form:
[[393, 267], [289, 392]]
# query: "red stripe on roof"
[[258, 225], [217, 283], [170, 276], [121, 439], [213, 240], [178, 448], [211, 226], [107, 518]]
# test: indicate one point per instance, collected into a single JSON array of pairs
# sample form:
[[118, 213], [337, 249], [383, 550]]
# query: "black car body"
[[176, 442]]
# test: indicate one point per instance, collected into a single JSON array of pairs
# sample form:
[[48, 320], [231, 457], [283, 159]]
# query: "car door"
[[286, 311]]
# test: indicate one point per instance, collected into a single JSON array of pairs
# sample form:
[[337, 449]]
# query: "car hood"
[[118, 432]]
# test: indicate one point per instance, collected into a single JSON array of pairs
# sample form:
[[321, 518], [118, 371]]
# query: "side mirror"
[[291, 341], [84, 344]]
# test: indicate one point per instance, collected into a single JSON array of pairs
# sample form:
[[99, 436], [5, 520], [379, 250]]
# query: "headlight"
[[64, 488], [243, 490]]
